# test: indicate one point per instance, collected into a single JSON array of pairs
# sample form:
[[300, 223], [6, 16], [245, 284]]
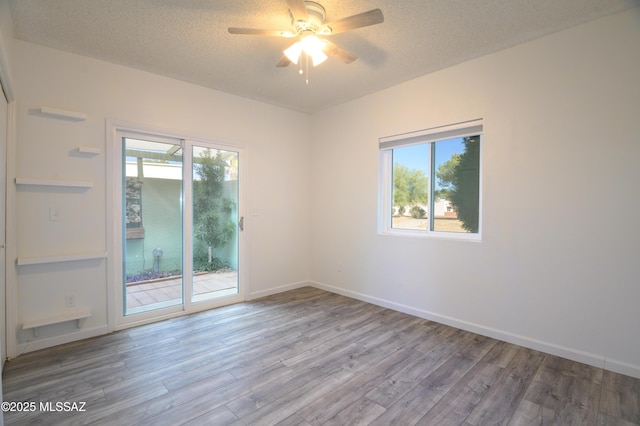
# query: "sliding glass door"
[[180, 225], [216, 223], [152, 213]]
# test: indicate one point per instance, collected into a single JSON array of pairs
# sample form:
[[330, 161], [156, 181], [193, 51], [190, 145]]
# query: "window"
[[430, 182]]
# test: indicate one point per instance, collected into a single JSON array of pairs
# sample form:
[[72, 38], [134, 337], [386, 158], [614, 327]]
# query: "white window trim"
[[385, 175]]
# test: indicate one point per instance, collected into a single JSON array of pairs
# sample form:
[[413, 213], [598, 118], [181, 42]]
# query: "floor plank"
[[621, 397], [309, 357], [498, 406]]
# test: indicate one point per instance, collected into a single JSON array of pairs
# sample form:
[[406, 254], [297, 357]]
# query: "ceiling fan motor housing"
[[316, 16]]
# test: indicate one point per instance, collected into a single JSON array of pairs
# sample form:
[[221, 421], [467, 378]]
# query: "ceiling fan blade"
[[284, 62], [298, 10], [360, 20], [260, 31], [332, 49]]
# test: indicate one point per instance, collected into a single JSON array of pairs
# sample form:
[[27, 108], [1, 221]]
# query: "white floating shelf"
[[55, 182], [56, 259], [63, 113], [72, 316], [89, 150]]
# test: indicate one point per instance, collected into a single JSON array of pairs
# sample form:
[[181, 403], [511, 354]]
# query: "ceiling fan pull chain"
[[307, 65]]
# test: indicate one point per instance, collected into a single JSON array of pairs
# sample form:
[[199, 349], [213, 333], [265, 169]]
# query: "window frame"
[[385, 177]]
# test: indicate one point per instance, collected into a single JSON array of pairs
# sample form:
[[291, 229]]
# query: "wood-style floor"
[[312, 357]]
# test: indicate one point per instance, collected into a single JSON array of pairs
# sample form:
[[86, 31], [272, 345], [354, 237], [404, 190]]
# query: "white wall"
[[556, 269], [275, 142]]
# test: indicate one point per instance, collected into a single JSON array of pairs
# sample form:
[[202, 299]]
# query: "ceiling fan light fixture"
[[293, 52], [318, 58], [314, 47], [311, 45]]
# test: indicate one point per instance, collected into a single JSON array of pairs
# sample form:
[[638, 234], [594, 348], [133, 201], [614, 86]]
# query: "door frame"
[[115, 315], [11, 252]]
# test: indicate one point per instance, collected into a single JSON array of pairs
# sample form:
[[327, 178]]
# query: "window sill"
[[451, 236]]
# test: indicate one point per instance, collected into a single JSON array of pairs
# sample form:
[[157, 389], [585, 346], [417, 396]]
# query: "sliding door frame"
[[11, 247], [117, 319]]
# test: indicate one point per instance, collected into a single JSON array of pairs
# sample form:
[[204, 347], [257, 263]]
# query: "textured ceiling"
[[188, 39]]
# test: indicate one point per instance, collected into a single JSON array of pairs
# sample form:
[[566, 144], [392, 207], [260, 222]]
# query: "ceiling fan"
[[309, 27]]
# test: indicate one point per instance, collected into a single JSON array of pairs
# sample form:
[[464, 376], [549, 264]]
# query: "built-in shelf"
[[89, 150], [76, 315], [62, 113], [56, 259], [55, 182]]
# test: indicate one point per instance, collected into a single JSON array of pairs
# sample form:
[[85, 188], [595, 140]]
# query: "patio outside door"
[[181, 225]]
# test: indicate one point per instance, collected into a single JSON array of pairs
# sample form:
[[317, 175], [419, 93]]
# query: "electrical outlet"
[[70, 301]]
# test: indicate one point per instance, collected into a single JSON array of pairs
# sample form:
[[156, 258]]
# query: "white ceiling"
[[188, 39]]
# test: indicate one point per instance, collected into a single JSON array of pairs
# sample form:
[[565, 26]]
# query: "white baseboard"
[[596, 360], [275, 290], [36, 345], [622, 367]]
